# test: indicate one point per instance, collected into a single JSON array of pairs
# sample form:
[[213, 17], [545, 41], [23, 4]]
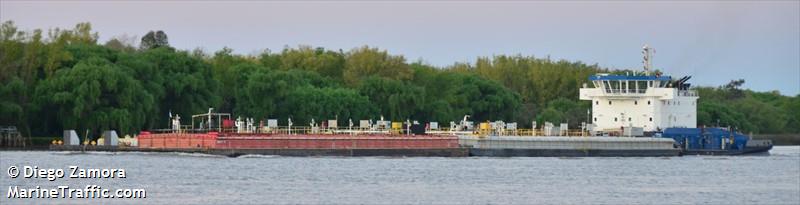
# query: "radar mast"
[[647, 51]]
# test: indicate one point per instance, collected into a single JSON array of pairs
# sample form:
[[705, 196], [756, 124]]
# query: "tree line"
[[67, 80]]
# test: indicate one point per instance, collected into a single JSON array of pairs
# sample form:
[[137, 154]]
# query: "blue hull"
[[748, 150]]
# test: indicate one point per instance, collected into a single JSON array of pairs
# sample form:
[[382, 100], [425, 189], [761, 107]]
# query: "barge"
[[553, 146], [216, 133]]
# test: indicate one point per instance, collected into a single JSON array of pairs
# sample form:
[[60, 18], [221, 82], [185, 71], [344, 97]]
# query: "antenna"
[[647, 51]]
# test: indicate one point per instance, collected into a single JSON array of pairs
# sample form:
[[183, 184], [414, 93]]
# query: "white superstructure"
[[652, 102]]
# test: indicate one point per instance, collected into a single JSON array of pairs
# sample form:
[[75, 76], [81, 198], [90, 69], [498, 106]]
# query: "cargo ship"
[[633, 115]]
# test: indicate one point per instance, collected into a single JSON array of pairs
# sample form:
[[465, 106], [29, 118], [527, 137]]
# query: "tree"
[[230, 71], [327, 63], [563, 110], [487, 99], [181, 84], [712, 113], [733, 89], [154, 39], [123, 43], [550, 115], [97, 95], [395, 99], [365, 62], [13, 111], [265, 91], [307, 102]]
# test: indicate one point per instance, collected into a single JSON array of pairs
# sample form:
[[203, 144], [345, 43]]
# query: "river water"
[[178, 178]]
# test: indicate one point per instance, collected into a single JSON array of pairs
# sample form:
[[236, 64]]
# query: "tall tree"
[[154, 39]]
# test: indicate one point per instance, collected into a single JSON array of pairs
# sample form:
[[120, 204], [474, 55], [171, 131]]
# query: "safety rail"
[[688, 93], [626, 91], [283, 130], [11, 137], [300, 130]]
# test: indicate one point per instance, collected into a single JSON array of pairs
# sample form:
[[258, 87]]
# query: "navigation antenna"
[[648, 58]]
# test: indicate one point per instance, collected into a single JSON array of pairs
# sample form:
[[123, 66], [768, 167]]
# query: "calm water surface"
[[176, 178]]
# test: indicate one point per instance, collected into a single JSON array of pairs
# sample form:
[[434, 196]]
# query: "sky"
[[713, 41]]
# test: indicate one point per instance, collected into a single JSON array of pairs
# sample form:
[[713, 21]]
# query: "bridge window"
[[595, 119], [635, 102], [651, 119], [641, 86], [615, 119], [648, 102], [597, 102], [609, 102], [624, 85], [629, 120]]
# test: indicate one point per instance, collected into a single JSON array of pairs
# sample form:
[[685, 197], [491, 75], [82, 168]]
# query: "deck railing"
[[626, 91], [301, 130], [688, 93]]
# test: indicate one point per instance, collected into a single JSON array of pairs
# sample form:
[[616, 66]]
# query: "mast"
[[647, 51]]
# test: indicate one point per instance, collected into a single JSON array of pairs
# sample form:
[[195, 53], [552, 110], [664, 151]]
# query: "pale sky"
[[714, 41]]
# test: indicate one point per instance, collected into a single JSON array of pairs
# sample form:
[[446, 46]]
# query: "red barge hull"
[[234, 144]]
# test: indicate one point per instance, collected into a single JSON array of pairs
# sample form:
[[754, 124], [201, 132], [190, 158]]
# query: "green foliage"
[[538, 81], [154, 39], [97, 95], [11, 108], [366, 62], [181, 84], [122, 43], [65, 80], [230, 71], [301, 95], [451, 95], [757, 112], [399, 100], [327, 63], [264, 91], [487, 100], [307, 102], [550, 115], [712, 113], [563, 110]]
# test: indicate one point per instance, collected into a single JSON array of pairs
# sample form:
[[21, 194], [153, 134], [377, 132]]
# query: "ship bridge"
[[623, 86], [620, 84], [650, 102]]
